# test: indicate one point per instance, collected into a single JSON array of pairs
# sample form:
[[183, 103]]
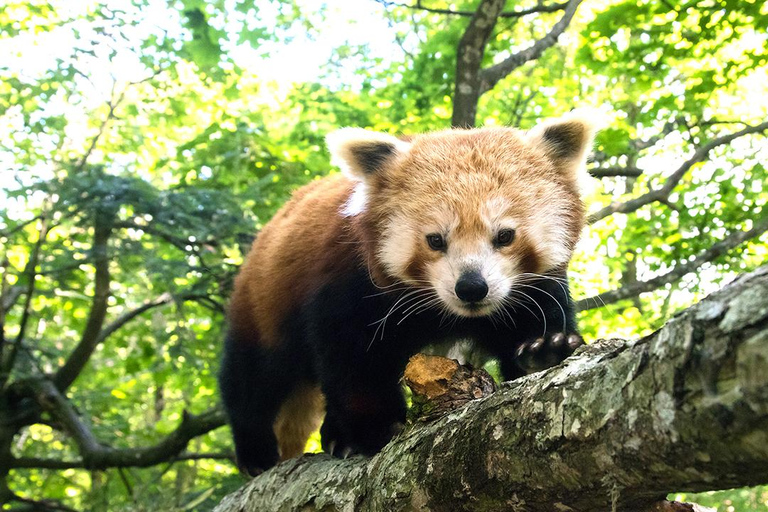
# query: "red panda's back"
[[304, 244]]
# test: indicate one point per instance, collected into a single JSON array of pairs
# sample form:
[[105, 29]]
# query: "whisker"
[[415, 305], [543, 316], [562, 311], [504, 313], [388, 291], [522, 303], [425, 306], [383, 321], [560, 282]]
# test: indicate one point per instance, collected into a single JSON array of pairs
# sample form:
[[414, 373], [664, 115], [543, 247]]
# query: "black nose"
[[471, 287]]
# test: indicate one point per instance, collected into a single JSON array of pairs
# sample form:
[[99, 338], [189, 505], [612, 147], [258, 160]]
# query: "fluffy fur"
[[450, 235]]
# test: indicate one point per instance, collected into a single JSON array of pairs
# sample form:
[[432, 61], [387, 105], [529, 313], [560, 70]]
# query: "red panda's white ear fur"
[[567, 140], [361, 153]]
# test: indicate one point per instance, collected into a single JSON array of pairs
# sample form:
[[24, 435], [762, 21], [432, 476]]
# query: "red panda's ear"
[[361, 153], [567, 140]]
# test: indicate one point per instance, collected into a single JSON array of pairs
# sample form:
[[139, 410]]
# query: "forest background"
[[145, 142]]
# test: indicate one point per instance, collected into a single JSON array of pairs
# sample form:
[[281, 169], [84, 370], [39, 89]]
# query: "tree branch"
[[40, 463], [489, 77], [126, 317], [7, 360], [715, 251], [610, 172], [95, 455], [18, 227], [51, 400], [540, 8], [617, 426], [177, 241], [663, 192], [29, 505], [165, 298], [91, 338], [112, 104]]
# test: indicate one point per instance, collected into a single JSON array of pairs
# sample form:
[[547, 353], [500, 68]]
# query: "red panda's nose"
[[471, 287]]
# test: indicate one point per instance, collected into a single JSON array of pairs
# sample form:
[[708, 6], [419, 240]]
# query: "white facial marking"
[[357, 201], [548, 232], [397, 246]]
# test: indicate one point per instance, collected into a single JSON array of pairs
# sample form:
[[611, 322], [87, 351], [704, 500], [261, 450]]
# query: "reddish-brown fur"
[[303, 246]]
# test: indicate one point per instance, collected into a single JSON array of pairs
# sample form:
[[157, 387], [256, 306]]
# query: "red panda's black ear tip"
[[568, 139], [361, 153]]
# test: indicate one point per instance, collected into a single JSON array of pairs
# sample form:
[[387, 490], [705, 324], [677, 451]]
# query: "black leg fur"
[[359, 374], [254, 383]]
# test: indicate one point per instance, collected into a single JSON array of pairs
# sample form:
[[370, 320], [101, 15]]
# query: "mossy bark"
[[617, 426]]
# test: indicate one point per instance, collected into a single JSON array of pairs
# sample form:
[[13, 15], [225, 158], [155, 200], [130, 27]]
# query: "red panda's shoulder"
[[298, 250]]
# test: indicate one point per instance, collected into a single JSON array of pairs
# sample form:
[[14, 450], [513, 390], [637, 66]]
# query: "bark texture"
[[616, 427]]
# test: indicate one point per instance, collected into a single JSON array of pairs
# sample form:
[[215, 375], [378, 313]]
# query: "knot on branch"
[[440, 385]]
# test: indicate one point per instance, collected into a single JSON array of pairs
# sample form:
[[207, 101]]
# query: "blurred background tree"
[[146, 142]]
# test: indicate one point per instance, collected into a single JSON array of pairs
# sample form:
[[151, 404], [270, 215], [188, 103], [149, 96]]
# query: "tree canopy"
[[145, 143]]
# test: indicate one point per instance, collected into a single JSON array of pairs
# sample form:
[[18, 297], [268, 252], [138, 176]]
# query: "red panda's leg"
[[362, 421], [359, 376], [254, 382], [364, 399]]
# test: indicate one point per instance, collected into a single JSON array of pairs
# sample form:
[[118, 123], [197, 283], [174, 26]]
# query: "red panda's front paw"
[[546, 351], [334, 441]]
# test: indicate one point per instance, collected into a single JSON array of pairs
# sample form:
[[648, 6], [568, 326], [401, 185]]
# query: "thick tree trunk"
[[618, 426], [469, 59]]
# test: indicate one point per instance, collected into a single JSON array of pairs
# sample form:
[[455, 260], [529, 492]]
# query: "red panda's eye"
[[436, 242], [504, 237]]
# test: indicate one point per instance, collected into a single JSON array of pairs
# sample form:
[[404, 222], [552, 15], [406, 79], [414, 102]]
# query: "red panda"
[[457, 234]]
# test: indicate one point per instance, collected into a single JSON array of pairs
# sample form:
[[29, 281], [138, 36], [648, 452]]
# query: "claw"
[[346, 452], [574, 341], [558, 340], [251, 472], [396, 428], [331, 447], [536, 346]]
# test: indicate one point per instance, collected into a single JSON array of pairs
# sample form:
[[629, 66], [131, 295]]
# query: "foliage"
[[151, 121]]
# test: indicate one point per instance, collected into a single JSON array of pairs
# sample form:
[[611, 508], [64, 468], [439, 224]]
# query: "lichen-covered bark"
[[618, 425]]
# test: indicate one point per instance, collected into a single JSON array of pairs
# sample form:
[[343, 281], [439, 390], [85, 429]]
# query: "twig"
[[610, 172], [716, 250], [126, 483], [112, 104], [665, 190]]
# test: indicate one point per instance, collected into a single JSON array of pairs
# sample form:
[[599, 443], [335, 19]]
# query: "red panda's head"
[[468, 213]]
